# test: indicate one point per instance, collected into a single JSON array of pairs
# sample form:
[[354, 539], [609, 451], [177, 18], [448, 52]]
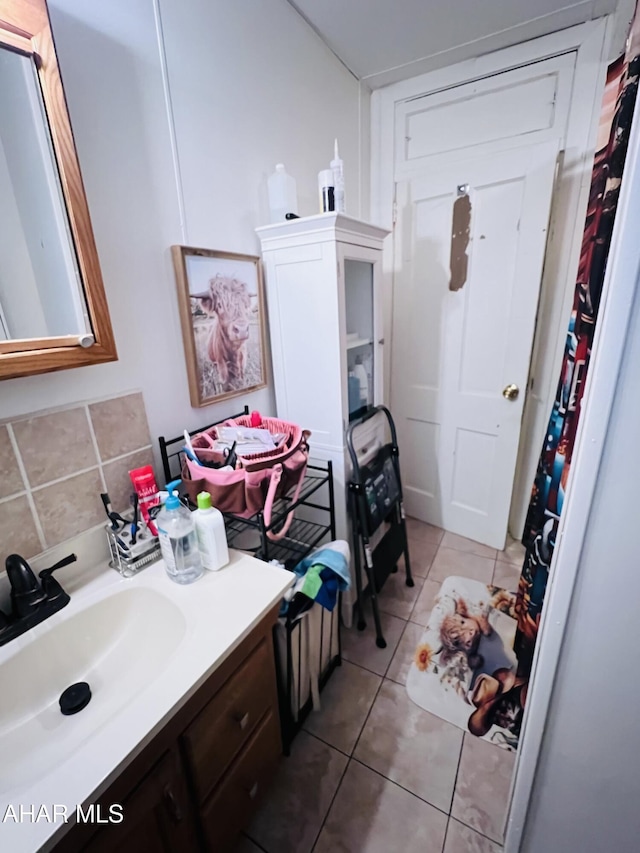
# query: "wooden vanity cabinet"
[[195, 786], [157, 815]]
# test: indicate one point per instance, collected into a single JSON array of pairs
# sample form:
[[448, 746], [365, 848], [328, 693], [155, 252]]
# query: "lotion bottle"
[[212, 537]]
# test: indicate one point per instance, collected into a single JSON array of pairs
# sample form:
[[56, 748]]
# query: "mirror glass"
[[41, 293]]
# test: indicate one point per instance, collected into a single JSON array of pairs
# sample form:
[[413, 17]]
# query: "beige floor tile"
[[506, 575], [399, 666], [360, 646], [482, 788], [396, 597], [461, 543], [424, 603], [461, 839], [513, 553], [410, 746], [423, 532], [345, 703], [291, 814], [451, 562], [421, 554], [372, 815]]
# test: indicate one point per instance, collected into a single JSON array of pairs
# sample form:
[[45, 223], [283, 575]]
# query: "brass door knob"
[[510, 392]]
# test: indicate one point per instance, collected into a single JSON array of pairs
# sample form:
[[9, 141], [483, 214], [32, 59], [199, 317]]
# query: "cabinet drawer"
[[225, 723], [232, 803]]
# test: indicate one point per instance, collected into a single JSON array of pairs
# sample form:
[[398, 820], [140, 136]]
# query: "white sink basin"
[[119, 645]]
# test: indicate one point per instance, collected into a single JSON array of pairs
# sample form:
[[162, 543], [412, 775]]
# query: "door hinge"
[[394, 215]]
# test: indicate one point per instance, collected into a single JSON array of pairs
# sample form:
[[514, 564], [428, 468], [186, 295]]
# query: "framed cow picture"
[[222, 314]]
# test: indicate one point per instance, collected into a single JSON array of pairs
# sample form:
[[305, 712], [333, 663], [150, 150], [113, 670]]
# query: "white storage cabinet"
[[323, 277]]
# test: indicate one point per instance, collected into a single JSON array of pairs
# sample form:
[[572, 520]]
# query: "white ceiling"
[[383, 41]]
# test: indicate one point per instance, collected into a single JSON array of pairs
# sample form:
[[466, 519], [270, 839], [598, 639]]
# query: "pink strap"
[[276, 474]]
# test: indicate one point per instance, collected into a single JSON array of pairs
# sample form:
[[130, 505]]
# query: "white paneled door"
[[460, 357]]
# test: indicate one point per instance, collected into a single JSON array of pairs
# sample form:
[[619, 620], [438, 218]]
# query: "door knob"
[[510, 392]]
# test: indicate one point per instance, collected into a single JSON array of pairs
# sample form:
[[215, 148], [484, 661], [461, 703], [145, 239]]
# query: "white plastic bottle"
[[178, 541], [212, 537], [337, 167], [282, 194], [361, 374]]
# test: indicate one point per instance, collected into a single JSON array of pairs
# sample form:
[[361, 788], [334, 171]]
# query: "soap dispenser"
[[178, 541]]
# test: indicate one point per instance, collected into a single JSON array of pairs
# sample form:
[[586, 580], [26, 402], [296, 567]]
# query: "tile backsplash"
[[53, 466]]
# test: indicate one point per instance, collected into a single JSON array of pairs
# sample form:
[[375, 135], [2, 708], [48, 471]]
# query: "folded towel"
[[321, 575]]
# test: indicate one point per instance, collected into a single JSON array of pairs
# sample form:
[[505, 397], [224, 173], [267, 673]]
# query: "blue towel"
[[330, 559], [334, 576]]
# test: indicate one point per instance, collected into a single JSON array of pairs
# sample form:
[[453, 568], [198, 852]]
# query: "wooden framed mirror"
[[53, 309]]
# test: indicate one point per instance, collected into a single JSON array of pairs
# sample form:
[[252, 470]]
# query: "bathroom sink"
[[119, 645]]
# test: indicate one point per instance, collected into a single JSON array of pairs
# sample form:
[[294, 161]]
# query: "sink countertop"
[[220, 609]]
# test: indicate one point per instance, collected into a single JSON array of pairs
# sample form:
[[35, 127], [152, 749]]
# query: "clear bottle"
[[326, 191], [337, 167], [178, 540], [212, 537], [282, 195]]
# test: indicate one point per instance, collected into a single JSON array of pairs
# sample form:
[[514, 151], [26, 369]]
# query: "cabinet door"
[[157, 816], [359, 273], [304, 322]]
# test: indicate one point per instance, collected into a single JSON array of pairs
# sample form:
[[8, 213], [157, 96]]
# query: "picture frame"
[[222, 315]]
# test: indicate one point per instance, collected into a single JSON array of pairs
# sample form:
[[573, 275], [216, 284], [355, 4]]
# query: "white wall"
[[587, 788], [251, 84]]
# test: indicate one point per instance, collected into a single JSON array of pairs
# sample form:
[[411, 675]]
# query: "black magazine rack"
[[375, 498]]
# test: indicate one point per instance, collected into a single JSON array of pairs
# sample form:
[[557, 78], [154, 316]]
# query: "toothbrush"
[[134, 523], [191, 455], [108, 509], [114, 517], [187, 441]]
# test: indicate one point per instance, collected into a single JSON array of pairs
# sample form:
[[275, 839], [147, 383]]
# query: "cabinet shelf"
[[303, 535], [361, 342]]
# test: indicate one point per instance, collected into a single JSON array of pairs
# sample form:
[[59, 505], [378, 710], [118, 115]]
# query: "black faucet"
[[31, 602]]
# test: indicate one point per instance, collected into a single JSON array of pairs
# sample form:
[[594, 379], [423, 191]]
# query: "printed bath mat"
[[464, 668]]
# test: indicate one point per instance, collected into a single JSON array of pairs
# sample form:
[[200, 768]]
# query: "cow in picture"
[[229, 304]]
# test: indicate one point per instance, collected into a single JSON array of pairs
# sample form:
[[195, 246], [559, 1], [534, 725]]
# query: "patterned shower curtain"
[[555, 461]]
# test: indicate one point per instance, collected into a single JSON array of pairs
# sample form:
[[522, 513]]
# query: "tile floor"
[[373, 773]]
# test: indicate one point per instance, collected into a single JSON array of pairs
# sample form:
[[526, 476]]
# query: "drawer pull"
[[173, 807], [242, 720], [253, 791]]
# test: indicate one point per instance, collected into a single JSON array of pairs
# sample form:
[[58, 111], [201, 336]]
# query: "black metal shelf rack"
[[316, 498]]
